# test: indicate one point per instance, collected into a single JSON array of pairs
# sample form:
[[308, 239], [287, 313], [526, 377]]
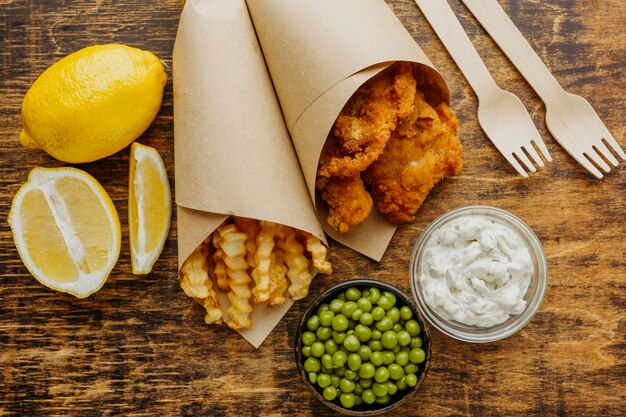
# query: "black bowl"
[[400, 397]]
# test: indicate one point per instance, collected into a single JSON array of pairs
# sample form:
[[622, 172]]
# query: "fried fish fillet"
[[422, 151]]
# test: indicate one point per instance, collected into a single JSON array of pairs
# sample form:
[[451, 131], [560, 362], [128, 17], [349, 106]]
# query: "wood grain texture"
[[139, 346]]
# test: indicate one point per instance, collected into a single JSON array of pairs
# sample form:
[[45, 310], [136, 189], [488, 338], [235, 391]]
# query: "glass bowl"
[[401, 396], [533, 297]]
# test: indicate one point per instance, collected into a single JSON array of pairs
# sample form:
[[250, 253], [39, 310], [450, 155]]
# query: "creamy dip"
[[475, 271]]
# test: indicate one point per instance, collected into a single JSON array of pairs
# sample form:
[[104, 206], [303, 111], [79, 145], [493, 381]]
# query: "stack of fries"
[[251, 260]]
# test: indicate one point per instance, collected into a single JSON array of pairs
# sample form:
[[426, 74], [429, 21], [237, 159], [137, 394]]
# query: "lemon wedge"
[[149, 207], [66, 230]]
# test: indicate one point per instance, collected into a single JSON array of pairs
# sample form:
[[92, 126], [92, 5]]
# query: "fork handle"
[[512, 42], [449, 30]]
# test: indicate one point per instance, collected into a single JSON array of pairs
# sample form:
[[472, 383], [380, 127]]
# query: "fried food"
[[422, 151], [233, 244], [196, 283], [273, 257], [390, 138]]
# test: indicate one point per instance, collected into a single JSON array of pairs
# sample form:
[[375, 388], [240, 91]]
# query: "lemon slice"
[[66, 230], [149, 207]]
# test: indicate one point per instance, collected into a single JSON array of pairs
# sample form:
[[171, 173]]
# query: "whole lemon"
[[93, 103]]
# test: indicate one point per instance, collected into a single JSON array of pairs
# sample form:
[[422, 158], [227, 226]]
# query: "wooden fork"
[[570, 118], [501, 114]]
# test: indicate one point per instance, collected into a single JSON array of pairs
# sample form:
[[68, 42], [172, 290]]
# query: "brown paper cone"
[[233, 153], [319, 52]]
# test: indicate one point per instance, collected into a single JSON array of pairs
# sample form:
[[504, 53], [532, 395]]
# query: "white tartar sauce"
[[475, 271]]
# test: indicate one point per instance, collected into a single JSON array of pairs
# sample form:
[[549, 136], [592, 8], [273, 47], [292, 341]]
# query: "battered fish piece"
[[348, 201], [366, 122], [422, 151]]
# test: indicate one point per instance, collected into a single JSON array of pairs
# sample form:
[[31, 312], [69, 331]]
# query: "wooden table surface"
[[139, 346]]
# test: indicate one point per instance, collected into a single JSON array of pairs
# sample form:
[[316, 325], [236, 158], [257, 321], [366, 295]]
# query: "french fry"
[[233, 244], [219, 271], [261, 273], [250, 227], [196, 283], [296, 261], [319, 252], [278, 280]]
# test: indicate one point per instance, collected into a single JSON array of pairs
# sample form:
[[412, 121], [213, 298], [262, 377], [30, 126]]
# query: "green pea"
[[364, 304], [351, 324], [374, 294], [384, 324], [383, 400], [365, 293], [364, 352], [351, 343], [340, 371], [394, 314], [354, 361], [335, 379], [323, 380], [380, 389], [390, 339], [404, 338], [349, 374], [323, 333], [353, 294], [417, 355], [330, 346], [397, 328], [345, 385], [358, 390], [306, 351], [416, 342], [326, 318], [396, 349], [381, 375], [405, 349], [336, 305], [375, 345], [339, 358], [367, 371], [395, 371], [356, 316], [358, 400], [401, 384], [338, 337], [377, 358], [391, 387], [313, 323], [412, 327], [329, 393], [402, 358], [378, 313], [327, 361], [348, 400], [411, 369], [348, 308], [384, 302], [340, 323], [363, 333], [366, 319], [391, 296], [377, 334], [317, 349], [411, 380], [326, 370], [312, 377], [366, 382], [322, 307], [406, 313], [341, 296], [312, 365], [308, 338], [368, 396], [388, 357]]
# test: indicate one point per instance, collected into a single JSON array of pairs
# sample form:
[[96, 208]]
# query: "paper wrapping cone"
[[319, 52], [233, 153]]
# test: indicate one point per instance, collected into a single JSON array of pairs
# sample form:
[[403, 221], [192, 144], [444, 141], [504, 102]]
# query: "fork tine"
[[533, 153], [594, 157], [603, 150], [611, 141], [509, 157], [543, 149], [588, 165], [522, 157]]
